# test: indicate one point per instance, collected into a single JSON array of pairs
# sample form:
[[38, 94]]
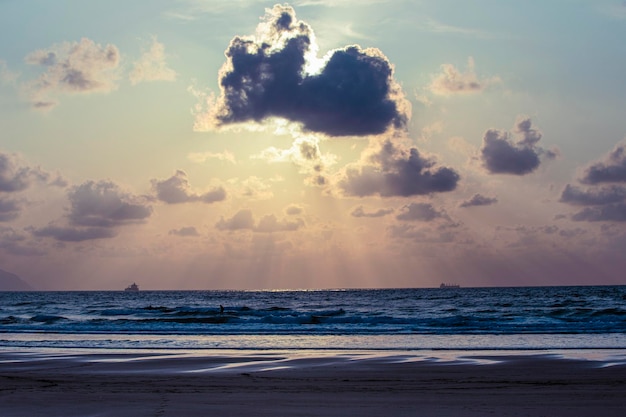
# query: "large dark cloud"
[[176, 190], [392, 170], [353, 94], [500, 155], [611, 169]]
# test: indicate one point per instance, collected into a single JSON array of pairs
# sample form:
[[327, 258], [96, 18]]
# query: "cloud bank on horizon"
[[356, 166]]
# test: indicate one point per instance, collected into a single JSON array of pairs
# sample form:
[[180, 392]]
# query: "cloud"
[[104, 204], [200, 157], [392, 169], [270, 75], [151, 66], [502, 156], [305, 153], [453, 81], [592, 197], [423, 212], [478, 200], [17, 176], [13, 243], [611, 169], [73, 68], [176, 190], [615, 212], [293, 210], [420, 234], [251, 188], [96, 210], [244, 220], [74, 234], [184, 232], [269, 224], [13, 177], [605, 200], [360, 212], [9, 209], [7, 76]]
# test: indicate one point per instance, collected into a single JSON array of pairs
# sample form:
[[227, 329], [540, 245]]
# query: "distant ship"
[[444, 285], [132, 287]]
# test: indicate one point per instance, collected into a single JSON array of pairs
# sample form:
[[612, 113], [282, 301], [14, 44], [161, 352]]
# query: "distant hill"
[[11, 282]]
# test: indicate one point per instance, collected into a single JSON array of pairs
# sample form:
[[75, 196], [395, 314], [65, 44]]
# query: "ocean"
[[518, 318]]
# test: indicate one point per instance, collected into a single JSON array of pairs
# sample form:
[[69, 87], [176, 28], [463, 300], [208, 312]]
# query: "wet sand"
[[313, 383]]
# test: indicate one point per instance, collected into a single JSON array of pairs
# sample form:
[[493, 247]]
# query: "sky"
[[209, 144]]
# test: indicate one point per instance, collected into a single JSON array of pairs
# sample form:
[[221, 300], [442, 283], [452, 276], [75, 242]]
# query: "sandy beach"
[[317, 383]]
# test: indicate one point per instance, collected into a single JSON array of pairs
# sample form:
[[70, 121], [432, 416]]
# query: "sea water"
[[387, 319]]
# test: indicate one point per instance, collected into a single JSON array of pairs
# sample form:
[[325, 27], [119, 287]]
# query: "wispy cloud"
[[72, 68], [452, 81], [151, 66], [200, 157]]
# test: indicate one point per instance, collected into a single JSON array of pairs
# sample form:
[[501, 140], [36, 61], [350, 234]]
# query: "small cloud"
[[605, 200], [73, 68], [176, 190], [452, 81], [242, 220], [611, 169], [293, 210], [420, 234], [200, 157], [14, 176], [151, 66], [304, 153], [251, 188], [500, 155], [360, 212], [478, 200], [270, 224], [189, 231], [424, 212]]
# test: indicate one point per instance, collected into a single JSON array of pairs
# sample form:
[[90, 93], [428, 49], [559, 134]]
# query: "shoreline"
[[106, 383]]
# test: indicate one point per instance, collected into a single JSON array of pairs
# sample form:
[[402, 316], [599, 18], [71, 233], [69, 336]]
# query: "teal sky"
[[478, 142]]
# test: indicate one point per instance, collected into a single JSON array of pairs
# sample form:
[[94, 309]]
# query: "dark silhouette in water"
[[221, 309]]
